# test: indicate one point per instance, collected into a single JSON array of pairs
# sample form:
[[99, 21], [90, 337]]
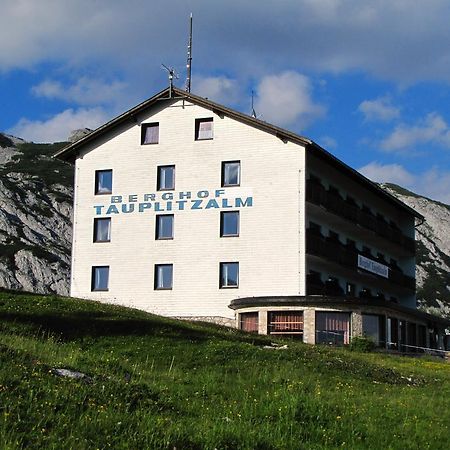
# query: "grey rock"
[[35, 227], [76, 135], [67, 373]]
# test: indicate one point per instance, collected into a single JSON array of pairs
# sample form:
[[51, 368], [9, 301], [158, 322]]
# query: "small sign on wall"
[[373, 266]]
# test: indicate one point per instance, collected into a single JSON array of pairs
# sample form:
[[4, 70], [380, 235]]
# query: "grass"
[[162, 383]]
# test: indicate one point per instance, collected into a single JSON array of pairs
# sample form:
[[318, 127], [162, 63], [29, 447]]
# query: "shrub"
[[362, 344]]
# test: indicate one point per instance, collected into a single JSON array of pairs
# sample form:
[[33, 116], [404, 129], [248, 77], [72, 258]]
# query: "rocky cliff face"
[[433, 251], [35, 217]]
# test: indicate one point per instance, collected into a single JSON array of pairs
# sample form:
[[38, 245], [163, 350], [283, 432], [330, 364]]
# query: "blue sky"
[[369, 81]]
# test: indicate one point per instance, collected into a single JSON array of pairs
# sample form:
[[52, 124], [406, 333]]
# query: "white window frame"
[[97, 189], [96, 222], [223, 279], [153, 126], [159, 279], [158, 236], [224, 183], [94, 279], [160, 170]]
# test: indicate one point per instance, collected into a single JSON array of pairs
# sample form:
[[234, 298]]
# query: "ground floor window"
[[163, 276], [100, 278], [422, 336], [412, 337], [332, 328], [286, 322], [374, 327], [249, 322], [392, 333]]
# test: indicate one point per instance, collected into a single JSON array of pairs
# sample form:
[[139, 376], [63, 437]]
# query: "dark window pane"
[[163, 276], [371, 327], [332, 328], [100, 278], [229, 275], [150, 133], [231, 173], [166, 177], [103, 181], [164, 226], [230, 223], [102, 230]]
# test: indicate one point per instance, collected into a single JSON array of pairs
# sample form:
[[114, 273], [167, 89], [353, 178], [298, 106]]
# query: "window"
[[350, 290], [249, 322], [229, 223], [100, 278], [203, 129], [103, 182], [315, 228], [286, 322], [332, 328], [231, 173], [229, 275], [164, 226], [149, 133], [166, 178], [163, 276], [102, 230], [314, 283], [373, 328], [333, 236]]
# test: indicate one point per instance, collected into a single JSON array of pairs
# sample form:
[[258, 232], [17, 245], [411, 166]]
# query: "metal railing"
[[333, 202], [333, 250]]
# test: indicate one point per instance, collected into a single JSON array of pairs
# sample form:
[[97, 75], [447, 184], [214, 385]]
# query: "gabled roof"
[[69, 152]]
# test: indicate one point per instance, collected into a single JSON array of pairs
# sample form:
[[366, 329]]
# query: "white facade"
[[313, 235], [270, 246]]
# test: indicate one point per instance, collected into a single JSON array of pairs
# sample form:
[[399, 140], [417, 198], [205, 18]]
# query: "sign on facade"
[[373, 266]]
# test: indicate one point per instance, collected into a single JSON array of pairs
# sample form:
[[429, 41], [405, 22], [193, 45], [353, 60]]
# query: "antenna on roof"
[[253, 109], [189, 57], [172, 75]]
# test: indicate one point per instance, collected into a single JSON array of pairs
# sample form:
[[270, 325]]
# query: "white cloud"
[[59, 127], [328, 142], [433, 183], [383, 173], [384, 38], [218, 89], [85, 91], [286, 98], [431, 130], [379, 109]]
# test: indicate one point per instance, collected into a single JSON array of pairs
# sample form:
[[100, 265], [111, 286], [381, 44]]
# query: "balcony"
[[347, 256], [349, 210]]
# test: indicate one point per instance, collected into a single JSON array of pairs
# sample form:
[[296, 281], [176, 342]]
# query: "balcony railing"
[[344, 255], [333, 202]]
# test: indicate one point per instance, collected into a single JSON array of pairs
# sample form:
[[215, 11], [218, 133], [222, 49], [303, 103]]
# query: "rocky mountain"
[[35, 225], [433, 250], [35, 217]]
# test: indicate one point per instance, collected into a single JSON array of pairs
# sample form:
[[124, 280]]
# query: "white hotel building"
[[186, 208]]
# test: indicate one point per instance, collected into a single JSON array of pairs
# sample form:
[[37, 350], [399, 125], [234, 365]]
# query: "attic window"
[[203, 129], [149, 133]]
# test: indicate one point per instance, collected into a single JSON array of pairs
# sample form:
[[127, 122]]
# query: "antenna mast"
[[172, 74], [189, 57], [253, 108]]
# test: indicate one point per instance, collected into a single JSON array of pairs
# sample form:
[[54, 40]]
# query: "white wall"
[[270, 248]]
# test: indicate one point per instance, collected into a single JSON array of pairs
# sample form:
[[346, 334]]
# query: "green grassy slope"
[[161, 383]]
